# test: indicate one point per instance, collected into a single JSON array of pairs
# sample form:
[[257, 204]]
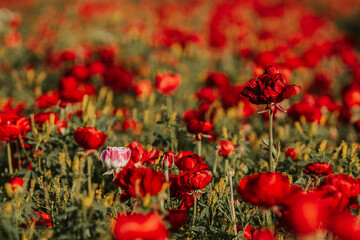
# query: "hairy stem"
[[271, 143], [9, 158]]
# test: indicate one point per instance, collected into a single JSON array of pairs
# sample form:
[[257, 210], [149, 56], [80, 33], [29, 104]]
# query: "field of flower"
[[169, 119]]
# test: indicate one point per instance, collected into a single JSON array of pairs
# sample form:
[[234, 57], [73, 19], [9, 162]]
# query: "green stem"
[[195, 208], [271, 159], [18, 155], [232, 205], [89, 165], [199, 147], [216, 160], [9, 157]]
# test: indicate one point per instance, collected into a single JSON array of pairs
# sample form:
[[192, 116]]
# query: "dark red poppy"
[[139, 154], [140, 226], [187, 161], [227, 147], [118, 78], [269, 88], [90, 137], [177, 218], [217, 79], [167, 83], [180, 192], [197, 178], [318, 168], [199, 128], [143, 181]]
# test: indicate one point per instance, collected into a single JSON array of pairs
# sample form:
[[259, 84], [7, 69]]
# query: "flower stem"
[[195, 209], [232, 204], [199, 147], [216, 160], [89, 165], [168, 189], [9, 158], [271, 159]]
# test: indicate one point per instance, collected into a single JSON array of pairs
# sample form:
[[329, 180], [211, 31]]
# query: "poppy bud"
[[167, 160]]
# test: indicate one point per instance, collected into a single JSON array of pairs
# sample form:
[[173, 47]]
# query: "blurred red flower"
[[290, 152], [90, 137], [118, 78], [143, 89], [266, 189], [199, 128], [47, 100], [140, 226], [227, 147], [16, 182], [167, 83], [43, 117], [177, 218], [143, 181], [307, 214], [11, 125]]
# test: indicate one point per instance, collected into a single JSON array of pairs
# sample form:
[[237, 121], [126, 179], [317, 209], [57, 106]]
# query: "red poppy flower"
[[167, 83], [80, 72], [47, 100], [44, 219], [199, 128], [226, 148], [143, 181], [139, 154], [217, 79], [187, 161], [207, 94], [143, 89], [118, 78], [345, 226], [317, 168], [43, 117], [197, 178], [90, 137], [290, 152], [269, 88], [307, 214], [140, 226], [11, 125], [16, 182], [177, 218], [266, 189], [181, 192]]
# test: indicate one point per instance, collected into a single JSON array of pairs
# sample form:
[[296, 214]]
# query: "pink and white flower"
[[115, 158]]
